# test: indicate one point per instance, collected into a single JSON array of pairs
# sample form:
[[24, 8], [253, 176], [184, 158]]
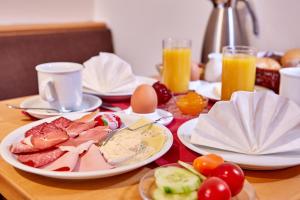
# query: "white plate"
[[213, 90], [120, 96], [254, 162], [89, 103], [153, 116], [18, 134]]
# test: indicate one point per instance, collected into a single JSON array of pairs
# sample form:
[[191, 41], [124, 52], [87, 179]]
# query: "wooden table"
[[16, 184]]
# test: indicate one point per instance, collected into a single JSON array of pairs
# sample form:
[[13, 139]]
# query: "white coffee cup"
[[60, 84], [290, 83]]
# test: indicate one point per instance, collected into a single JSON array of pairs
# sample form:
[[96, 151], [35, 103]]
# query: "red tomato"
[[206, 164], [99, 121], [233, 175], [214, 188]]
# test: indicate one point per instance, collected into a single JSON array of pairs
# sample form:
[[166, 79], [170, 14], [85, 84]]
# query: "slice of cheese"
[[156, 141]]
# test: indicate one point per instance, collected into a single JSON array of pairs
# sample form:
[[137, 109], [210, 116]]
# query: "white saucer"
[[246, 161], [213, 90], [120, 96], [153, 116], [89, 103]]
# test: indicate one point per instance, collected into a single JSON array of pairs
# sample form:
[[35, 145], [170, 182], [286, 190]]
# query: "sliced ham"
[[41, 158], [68, 161], [97, 134], [49, 138], [27, 140], [58, 145], [48, 128], [72, 142], [92, 160], [35, 130], [77, 127], [61, 122]]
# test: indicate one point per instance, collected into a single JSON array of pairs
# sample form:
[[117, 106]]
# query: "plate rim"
[[205, 151], [36, 113], [9, 157], [211, 85]]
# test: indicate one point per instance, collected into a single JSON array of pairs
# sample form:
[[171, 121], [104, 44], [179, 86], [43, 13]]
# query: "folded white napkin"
[[107, 73], [250, 123]]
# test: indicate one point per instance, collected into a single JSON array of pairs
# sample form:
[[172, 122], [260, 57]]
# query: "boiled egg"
[[144, 99]]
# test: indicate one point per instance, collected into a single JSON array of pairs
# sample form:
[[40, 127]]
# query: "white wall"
[[138, 26], [279, 24], [45, 11]]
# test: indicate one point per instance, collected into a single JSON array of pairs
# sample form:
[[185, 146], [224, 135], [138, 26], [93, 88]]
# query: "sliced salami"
[[49, 138], [20, 147], [40, 158], [35, 130], [61, 122]]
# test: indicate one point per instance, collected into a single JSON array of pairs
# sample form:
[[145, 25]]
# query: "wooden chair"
[[24, 47]]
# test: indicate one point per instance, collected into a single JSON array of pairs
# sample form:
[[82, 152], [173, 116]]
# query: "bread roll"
[[291, 58], [267, 63]]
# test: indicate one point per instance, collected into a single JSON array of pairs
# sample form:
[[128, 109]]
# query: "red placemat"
[[178, 151]]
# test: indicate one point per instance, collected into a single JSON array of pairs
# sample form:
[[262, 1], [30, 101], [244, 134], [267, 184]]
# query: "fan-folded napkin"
[[250, 123], [108, 73]]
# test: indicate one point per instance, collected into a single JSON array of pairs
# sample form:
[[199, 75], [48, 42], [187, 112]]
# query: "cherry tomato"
[[232, 174], [214, 188], [206, 164]]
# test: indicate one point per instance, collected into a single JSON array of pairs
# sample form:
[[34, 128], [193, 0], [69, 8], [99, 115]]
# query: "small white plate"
[[213, 90], [120, 96], [153, 116], [253, 162], [18, 134], [89, 103]]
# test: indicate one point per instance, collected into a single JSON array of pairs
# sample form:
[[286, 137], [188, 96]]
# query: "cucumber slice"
[[176, 180], [158, 194], [191, 169]]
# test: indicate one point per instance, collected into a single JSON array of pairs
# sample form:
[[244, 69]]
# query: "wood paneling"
[[48, 28]]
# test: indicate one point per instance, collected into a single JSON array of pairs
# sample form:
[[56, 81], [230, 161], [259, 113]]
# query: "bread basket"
[[269, 78]]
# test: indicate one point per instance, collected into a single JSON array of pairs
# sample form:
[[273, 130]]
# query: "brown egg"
[[144, 99]]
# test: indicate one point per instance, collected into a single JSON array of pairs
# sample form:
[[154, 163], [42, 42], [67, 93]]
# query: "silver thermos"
[[226, 27]]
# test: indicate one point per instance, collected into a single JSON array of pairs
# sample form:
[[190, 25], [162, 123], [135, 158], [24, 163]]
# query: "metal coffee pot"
[[227, 27]]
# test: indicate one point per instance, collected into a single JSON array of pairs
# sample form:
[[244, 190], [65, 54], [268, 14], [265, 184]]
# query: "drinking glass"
[[176, 64], [238, 70]]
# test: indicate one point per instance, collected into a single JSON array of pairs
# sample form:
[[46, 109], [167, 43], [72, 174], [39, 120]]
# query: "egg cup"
[[158, 113]]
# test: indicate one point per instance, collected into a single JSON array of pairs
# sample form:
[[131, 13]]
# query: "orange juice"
[[238, 73], [177, 69]]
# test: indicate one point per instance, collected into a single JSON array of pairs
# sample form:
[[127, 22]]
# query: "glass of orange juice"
[[176, 64], [238, 70]]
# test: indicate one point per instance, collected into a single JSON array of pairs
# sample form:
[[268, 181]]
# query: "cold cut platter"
[[71, 146]]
